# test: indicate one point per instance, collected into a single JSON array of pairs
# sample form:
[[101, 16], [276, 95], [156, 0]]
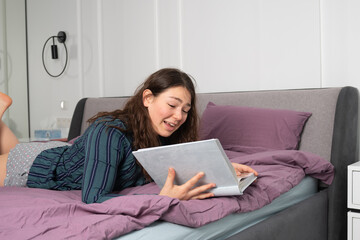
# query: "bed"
[[312, 206]]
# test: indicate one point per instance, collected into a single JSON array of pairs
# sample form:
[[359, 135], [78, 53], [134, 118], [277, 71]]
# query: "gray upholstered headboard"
[[331, 131], [317, 134]]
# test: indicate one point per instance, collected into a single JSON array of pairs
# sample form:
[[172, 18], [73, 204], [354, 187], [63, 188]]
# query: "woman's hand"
[[186, 191], [240, 168]]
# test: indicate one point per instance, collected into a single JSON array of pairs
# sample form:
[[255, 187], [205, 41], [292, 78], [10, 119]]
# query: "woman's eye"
[[172, 106], [185, 111]]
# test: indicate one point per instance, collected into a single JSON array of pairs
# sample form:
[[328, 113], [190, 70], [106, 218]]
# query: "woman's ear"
[[147, 97]]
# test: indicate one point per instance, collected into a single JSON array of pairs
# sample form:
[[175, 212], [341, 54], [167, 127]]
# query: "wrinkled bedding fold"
[[47, 214]]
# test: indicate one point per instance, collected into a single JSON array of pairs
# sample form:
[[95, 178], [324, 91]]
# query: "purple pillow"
[[253, 127]]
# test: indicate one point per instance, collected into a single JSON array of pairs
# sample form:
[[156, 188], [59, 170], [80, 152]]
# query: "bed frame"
[[331, 132]]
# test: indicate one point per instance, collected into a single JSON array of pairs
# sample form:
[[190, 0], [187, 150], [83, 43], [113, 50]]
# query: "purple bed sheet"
[[47, 214]]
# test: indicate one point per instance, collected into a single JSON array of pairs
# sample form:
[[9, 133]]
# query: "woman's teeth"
[[171, 124]]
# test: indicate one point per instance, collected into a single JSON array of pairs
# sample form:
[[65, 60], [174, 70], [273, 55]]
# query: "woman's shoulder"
[[107, 128], [110, 121]]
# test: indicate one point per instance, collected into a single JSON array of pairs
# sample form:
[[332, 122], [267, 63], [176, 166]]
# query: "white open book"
[[188, 159]]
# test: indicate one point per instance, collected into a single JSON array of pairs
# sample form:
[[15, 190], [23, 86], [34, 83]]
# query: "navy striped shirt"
[[99, 162]]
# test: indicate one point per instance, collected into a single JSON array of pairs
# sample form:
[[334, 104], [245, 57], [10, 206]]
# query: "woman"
[[162, 111]]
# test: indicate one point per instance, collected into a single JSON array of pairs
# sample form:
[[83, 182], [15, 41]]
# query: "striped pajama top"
[[99, 163]]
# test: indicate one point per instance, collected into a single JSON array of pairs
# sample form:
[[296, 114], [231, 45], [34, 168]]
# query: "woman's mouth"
[[170, 124]]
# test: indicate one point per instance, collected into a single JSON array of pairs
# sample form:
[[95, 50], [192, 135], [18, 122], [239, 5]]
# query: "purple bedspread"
[[46, 214]]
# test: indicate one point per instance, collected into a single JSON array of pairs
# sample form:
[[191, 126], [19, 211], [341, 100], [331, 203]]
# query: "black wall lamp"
[[61, 38]]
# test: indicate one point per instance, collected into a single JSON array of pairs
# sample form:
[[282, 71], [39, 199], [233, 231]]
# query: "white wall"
[[13, 73], [340, 43], [114, 44], [227, 45], [250, 45], [3, 50], [46, 19]]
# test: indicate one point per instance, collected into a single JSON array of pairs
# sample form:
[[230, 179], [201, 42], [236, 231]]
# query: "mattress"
[[229, 225]]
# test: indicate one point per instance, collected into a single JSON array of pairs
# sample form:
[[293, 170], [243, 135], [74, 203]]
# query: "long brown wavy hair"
[[136, 118]]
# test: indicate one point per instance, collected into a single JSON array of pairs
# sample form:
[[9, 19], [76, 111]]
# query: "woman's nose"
[[178, 115]]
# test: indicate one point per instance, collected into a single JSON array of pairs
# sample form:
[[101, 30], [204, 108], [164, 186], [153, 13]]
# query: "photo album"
[[190, 158]]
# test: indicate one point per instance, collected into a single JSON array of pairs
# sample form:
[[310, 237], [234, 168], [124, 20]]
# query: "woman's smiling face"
[[169, 110]]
